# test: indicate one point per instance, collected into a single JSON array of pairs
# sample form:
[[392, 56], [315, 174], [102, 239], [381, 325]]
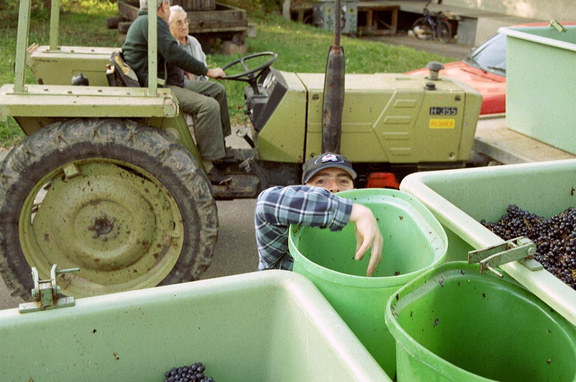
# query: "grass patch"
[[303, 48], [300, 48]]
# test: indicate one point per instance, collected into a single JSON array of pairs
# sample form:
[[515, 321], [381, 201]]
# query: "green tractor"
[[109, 178]]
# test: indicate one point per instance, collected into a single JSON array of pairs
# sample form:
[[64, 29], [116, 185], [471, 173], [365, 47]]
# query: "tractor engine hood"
[[386, 117]]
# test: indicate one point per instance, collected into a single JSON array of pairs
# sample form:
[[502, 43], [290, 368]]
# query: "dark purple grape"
[[193, 373], [555, 238]]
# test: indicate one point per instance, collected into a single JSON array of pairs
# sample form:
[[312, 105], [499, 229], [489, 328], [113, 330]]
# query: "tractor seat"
[[119, 73]]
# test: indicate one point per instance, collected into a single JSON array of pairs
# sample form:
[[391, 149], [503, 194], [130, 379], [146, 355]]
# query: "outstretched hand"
[[367, 236]]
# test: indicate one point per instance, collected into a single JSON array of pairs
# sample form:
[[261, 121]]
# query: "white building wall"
[[538, 9]]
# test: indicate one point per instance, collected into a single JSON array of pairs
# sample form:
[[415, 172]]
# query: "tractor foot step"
[[241, 186]]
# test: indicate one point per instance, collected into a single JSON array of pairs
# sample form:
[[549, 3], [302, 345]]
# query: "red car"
[[485, 70]]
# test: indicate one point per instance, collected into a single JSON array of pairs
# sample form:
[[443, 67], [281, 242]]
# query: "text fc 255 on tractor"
[[109, 179]]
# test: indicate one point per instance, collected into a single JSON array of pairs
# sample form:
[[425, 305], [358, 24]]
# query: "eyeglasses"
[[180, 23]]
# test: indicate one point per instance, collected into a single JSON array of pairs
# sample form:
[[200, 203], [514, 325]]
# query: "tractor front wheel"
[[122, 202]]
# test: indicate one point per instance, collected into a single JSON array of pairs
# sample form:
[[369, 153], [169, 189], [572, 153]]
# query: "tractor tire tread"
[[147, 147]]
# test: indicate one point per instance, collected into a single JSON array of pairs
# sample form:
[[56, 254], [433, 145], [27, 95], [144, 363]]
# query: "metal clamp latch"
[[518, 249], [46, 293]]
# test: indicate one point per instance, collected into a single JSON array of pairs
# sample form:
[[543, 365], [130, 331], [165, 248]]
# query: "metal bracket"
[[559, 27], [46, 293], [518, 249]]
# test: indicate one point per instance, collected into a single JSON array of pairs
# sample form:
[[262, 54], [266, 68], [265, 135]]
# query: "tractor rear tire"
[[122, 202]]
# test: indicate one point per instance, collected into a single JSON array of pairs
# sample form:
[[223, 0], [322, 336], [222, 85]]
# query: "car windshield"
[[490, 56]]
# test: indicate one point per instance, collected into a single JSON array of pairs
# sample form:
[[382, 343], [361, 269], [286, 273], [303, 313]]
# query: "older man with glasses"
[[179, 26]]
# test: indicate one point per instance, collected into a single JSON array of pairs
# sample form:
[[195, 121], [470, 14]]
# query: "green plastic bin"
[[460, 199], [540, 83], [414, 241], [260, 326], [455, 324]]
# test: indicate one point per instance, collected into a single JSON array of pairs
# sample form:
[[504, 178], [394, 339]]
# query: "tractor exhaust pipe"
[[333, 101]]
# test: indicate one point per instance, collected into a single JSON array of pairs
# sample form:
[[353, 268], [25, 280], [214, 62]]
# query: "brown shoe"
[[216, 177]]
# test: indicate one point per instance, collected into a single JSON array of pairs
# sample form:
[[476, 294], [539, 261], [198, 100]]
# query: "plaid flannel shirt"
[[278, 207]]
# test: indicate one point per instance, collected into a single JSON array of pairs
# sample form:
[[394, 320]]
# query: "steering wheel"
[[250, 75]]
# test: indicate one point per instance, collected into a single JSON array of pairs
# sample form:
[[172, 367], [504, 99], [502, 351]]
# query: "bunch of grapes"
[[555, 238], [193, 373]]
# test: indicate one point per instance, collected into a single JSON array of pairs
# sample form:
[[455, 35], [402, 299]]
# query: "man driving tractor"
[[204, 100]]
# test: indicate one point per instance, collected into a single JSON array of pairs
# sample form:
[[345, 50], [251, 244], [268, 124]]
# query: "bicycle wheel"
[[444, 31], [422, 29]]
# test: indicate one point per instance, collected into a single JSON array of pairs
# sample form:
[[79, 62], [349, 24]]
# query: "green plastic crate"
[[455, 324], [540, 82], [261, 326], [414, 241], [460, 199]]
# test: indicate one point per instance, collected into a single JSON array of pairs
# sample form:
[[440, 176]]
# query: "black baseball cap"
[[326, 160]]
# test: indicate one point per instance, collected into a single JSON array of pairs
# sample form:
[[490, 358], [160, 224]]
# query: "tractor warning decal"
[[442, 123]]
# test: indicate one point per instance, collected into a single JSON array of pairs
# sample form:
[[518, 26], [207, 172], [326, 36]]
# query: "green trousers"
[[207, 103]]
